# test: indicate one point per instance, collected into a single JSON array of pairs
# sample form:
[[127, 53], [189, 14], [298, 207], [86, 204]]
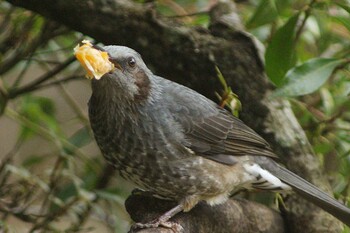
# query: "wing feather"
[[225, 136], [211, 131]]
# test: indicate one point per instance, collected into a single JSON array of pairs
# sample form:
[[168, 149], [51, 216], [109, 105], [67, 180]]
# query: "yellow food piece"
[[94, 61]]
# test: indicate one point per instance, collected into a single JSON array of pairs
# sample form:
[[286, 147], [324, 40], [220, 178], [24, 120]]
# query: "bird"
[[177, 144]]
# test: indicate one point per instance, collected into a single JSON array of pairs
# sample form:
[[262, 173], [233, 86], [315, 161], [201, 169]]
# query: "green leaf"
[[347, 89], [65, 193], [328, 101], [228, 98], [323, 148], [79, 139], [265, 13], [345, 7], [308, 77], [202, 19], [39, 110], [33, 160], [221, 78], [280, 55], [345, 21]]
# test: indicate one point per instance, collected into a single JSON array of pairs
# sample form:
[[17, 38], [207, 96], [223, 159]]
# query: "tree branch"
[[224, 218], [35, 84]]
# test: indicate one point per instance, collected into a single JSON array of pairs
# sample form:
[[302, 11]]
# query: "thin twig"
[[53, 181], [54, 215], [73, 104], [7, 159], [18, 214], [23, 72], [6, 18], [21, 50], [63, 80], [102, 182], [32, 86], [307, 11], [40, 130]]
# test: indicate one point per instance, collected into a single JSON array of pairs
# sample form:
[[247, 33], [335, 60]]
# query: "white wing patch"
[[264, 179]]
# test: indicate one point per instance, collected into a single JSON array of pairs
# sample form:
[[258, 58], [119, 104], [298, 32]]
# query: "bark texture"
[[235, 216], [189, 55]]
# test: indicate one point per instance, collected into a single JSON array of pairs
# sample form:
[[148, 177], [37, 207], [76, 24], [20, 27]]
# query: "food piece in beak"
[[95, 62]]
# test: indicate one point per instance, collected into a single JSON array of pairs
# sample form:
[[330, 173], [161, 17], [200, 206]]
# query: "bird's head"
[[131, 75], [126, 79]]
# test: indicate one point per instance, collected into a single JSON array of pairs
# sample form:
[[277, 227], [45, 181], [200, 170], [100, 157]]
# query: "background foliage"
[[52, 176]]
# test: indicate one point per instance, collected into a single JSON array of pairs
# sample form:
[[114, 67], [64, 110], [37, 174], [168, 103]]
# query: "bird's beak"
[[114, 62], [110, 58], [94, 59]]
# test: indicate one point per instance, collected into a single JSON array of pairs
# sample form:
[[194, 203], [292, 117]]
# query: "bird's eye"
[[131, 62]]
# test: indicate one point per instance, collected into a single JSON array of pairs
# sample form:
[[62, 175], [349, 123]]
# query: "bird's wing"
[[211, 131], [221, 136]]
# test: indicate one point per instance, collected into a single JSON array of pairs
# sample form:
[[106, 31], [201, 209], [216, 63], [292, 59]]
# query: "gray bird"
[[177, 144]]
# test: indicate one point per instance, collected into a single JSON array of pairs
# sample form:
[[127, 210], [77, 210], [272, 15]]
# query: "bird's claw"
[[177, 228]]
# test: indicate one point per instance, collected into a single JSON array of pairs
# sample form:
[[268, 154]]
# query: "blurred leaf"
[[347, 88], [164, 9], [266, 12], [280, 55], [67, 191], [308, 77], [64, 194], [91, 172], [201, 19], [345, 7], [327, 101], [323, 148], [73, 189], [33, 160], [324, 39], [79, 139], [39, 110], [345, 21]]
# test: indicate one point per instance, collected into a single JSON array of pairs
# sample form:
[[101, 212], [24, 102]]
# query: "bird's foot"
[[157, 223], [162, 220]]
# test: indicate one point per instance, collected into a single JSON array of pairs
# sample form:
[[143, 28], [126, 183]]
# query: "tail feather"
[[313, 194]]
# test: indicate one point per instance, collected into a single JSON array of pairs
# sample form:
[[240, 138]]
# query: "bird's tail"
[[313, 194]]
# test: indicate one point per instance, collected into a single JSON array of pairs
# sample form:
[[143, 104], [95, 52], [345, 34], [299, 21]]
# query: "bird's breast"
[[151, 154]]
